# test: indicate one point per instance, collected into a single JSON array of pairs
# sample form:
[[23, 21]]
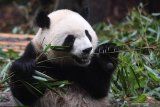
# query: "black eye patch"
[[69, 41], [88, 35]]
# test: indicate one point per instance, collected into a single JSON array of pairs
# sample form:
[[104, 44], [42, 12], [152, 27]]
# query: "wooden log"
[[16, 42]]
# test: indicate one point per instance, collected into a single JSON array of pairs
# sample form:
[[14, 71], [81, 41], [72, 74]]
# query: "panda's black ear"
[[85, 13], [42, 20]]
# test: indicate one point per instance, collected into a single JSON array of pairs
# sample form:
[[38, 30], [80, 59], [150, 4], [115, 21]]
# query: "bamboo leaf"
[[140, 98], [60, 48], [43, 75], [152, 73]]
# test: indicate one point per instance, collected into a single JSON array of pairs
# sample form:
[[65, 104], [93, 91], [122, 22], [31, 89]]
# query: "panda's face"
[[80, 44], [69, 29], [81, 47]]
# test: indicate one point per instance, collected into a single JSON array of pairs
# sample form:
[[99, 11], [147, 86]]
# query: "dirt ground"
[[6, 99]]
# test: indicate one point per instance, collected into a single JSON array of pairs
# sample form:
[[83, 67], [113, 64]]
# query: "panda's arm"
[[99, 73], [21, 77]]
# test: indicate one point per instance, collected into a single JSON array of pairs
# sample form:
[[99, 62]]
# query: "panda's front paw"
[[108, 56], [30, 65], [24, 68], [108, 50]]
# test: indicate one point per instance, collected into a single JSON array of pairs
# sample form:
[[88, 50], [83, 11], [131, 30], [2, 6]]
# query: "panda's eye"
[[69, 41], [88, 35]]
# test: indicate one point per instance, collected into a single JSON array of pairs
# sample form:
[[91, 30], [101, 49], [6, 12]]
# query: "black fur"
[[42, 20], [88, 35], [94, 78], [46, 2], [69, 41]]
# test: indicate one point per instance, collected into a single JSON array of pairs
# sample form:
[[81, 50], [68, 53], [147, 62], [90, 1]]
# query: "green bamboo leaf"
[[59, 48], [47, 48], [152, 73], [146, 18], [136, 78], [59, 83], [4, 71], [158, 34], [43, 75], [39, 78], [155, 14], [140, 98], [152, 30]]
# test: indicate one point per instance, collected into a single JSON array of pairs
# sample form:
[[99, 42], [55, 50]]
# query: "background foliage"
[[138, 74]]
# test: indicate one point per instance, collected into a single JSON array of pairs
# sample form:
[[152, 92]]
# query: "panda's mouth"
[[82, 61]]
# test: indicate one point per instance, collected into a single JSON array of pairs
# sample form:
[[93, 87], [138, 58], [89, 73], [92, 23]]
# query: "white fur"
[[73, 97], [63, 23], [80, 44]]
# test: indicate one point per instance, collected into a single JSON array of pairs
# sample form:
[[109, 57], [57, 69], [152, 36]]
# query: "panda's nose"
[[87, 50]]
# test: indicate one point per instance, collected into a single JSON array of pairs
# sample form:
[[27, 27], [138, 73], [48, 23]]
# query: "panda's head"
[[69, 29]]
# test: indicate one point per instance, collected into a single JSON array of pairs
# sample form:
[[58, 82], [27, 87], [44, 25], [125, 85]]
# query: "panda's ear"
[[85, 13], [42, 20]]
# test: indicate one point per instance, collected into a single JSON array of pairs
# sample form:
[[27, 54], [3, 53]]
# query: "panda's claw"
[[103, 51], [114, 50], [108, 49]]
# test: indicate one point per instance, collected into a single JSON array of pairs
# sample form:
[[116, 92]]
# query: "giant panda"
[[88, 66]]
